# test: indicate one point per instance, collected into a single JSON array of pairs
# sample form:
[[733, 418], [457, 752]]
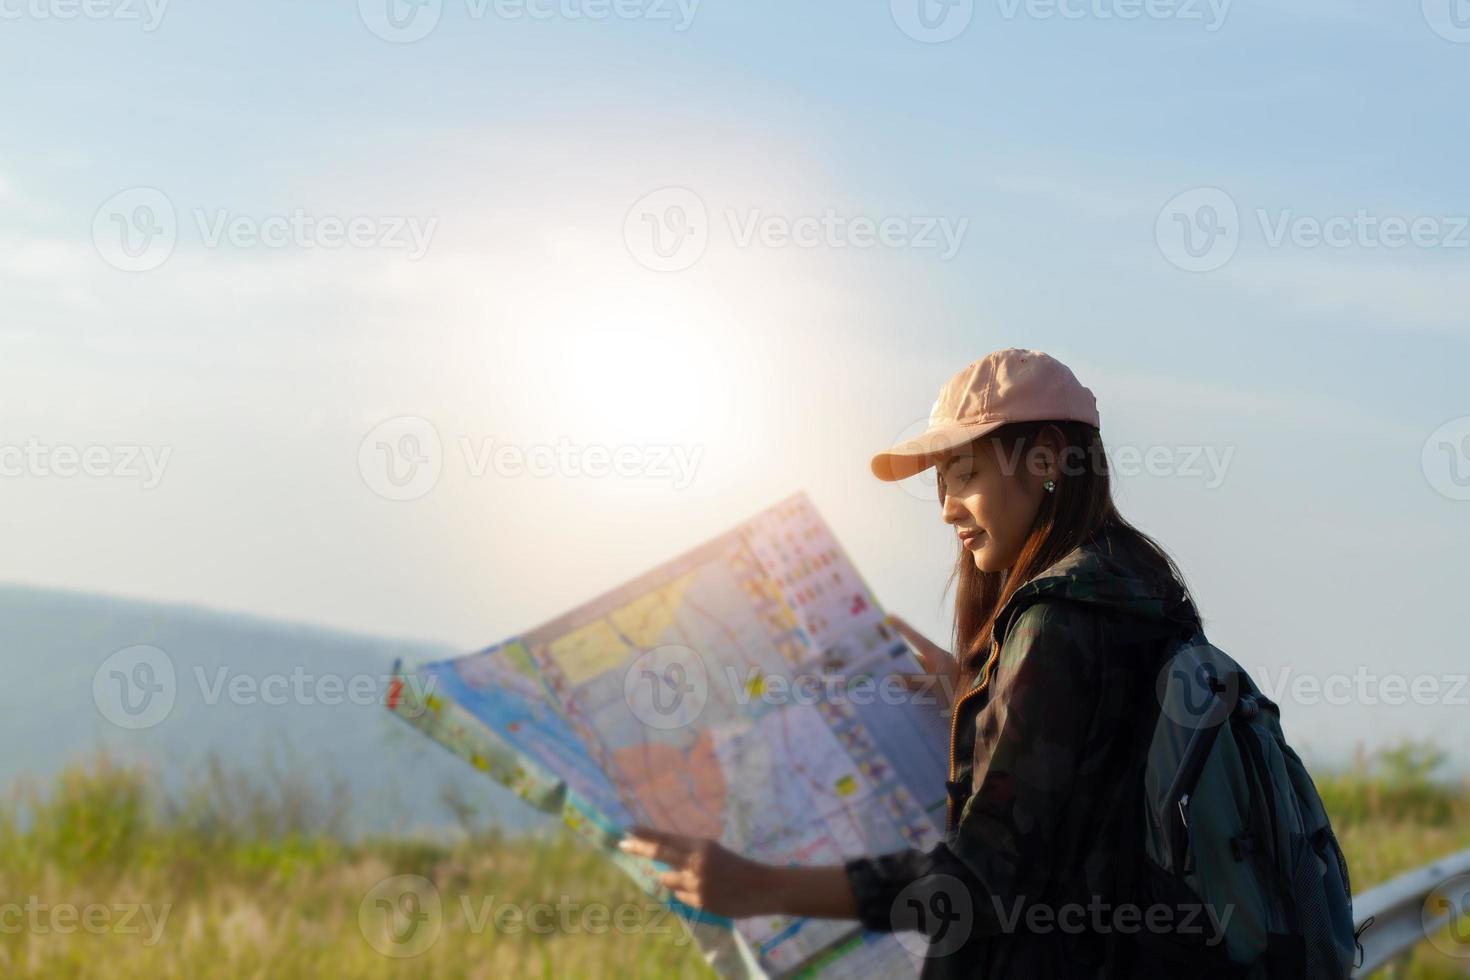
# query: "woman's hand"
[[941, 670], [706, 875]]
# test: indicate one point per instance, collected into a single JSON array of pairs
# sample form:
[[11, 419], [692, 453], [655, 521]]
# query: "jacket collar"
[[1101, 573]]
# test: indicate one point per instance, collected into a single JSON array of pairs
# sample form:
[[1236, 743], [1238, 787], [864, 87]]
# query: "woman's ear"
[[1050, 442]]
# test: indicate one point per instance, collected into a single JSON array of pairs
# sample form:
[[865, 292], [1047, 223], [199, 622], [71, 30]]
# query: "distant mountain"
[[250, 690]]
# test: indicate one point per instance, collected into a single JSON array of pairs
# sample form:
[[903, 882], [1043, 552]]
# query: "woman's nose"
[[952, 510]]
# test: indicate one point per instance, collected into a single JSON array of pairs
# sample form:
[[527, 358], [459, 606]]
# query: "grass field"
[[102, 874]]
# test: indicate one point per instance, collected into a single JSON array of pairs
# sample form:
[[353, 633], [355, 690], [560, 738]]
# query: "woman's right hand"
[[941, 670]]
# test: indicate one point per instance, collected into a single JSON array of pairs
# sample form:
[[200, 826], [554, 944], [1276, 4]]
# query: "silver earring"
[[1049, 486]]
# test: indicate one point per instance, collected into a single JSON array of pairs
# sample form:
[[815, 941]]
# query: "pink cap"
[[1011, 385]]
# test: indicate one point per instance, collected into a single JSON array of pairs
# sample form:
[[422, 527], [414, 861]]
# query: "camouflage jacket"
[[1040, 757]]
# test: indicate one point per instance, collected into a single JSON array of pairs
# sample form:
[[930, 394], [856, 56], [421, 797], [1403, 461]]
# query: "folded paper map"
[[749, 691]]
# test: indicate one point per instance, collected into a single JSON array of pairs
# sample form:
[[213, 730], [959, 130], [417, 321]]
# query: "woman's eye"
[[959, 472]]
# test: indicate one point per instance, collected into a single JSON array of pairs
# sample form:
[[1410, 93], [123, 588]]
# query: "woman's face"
[[991, 495]]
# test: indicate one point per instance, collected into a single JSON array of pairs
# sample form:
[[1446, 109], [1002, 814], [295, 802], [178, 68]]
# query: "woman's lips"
[[970, 538]]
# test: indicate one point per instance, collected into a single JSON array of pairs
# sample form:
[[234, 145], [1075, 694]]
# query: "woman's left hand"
[[706, 875]]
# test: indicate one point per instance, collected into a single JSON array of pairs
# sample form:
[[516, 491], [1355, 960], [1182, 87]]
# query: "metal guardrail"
[[1401, 917]]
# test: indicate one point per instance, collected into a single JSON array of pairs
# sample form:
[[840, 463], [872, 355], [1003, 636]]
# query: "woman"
[[1062, 612]]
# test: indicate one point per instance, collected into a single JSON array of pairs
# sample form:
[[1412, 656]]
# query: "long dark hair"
[[1080, 509]]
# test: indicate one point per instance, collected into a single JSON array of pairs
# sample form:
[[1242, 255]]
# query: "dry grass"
[[231, 881], [105, 875]]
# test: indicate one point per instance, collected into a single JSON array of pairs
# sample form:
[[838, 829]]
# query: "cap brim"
[[921, 452]]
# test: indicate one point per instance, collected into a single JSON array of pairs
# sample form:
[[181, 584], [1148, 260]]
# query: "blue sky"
[[525, 149]]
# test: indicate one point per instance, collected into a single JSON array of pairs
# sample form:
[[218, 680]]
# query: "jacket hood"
[[1102, 572]]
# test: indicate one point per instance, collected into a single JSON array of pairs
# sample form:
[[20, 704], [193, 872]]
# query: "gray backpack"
[[1233, 824]]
